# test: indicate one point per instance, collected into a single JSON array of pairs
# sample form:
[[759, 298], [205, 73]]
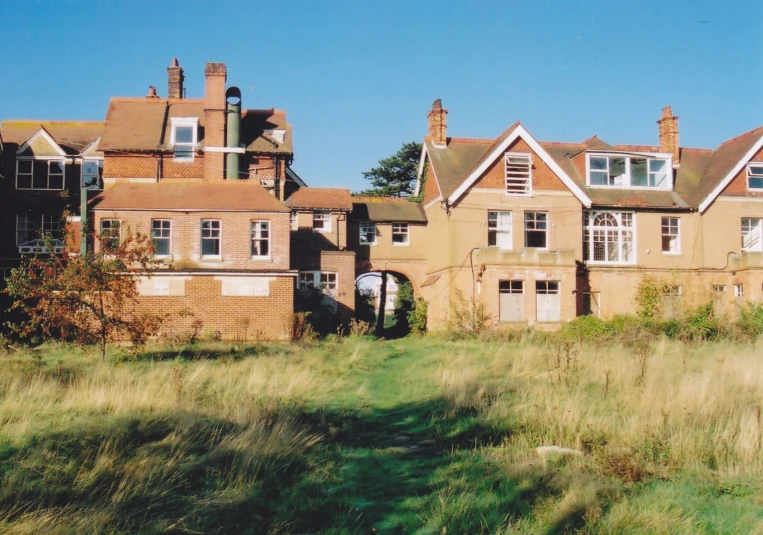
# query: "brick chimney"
[[438, 128], [175, 80], [669, 134], [214, 119]]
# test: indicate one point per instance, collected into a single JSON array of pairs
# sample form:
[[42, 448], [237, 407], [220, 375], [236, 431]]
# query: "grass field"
[[417, 435]]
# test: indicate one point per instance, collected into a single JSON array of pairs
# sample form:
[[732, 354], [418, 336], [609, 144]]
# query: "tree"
[[86, 299], [395, 176]]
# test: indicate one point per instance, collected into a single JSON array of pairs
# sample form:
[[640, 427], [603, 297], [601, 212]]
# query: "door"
[[548, 301]]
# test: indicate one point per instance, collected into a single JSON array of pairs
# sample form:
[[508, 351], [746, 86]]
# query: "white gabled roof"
[[730, 176], [519, 132], [44, 133]]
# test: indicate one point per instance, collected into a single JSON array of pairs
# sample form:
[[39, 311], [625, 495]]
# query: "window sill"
[[210, 259], [367, 244], [183, 160], [260, 258], [400, 244], [600, 263], [321, 231], [668, 253]]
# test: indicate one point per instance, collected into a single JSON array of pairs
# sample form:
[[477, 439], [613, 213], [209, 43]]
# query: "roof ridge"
[[740, 136]]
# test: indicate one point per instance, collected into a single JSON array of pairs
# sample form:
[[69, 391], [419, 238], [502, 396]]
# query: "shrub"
[[467, 317], [417, 318], [750, 323]]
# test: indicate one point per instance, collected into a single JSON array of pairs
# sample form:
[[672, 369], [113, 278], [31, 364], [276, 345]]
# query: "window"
[[518, 173], [25, 231], [511, 305], [40, 174], [671, 235], [499, 229], [294, 221], [210, 238], [110, 230], [755, 175], [719, 288], [536, 229], [161, 234], [92, 174], [321, 221], [547, 301], [367, 233], [608, 237], [752, 238], [738, 290], [671, 301], [184, 137], [51, 225], [628, 171], [324, 281], [260, 239], [400, 234]]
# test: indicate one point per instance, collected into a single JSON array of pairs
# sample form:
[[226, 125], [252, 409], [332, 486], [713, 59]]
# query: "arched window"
[[608, 238]]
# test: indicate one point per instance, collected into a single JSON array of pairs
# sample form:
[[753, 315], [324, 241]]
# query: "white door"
[[548, 301]]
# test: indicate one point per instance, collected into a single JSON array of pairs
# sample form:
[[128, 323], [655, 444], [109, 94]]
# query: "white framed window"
[[294, 221], [752, 234], [738, 290], [322, 221], [625, 171], [608, 237], [92, 174], [184, 137], [110, 234], [260, 239], [536, 230], [755, 175], [25, 229], [499, 229], [161, 235], [367, 233], [400, 234], [51, 225], [671, 235], [211, 238], [40, 174], [325, 281], [518, 167]]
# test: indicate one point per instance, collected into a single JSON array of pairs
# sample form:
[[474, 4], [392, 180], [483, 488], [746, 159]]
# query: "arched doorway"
[[384, 298]]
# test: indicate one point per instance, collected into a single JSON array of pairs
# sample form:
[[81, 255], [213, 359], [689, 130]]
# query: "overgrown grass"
[[417, 435]]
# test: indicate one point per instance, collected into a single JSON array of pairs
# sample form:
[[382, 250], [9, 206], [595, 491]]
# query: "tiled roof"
[[387, 209], [700, 170], [222, 197], [72, 136], [321, 198], [143, 124]]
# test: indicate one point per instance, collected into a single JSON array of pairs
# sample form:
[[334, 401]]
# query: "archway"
[[384, 298]]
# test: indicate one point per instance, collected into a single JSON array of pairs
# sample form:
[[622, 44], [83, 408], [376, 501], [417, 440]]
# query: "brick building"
[[541, 232]]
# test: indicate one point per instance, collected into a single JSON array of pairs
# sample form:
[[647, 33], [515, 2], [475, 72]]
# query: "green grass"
[[410, 436]]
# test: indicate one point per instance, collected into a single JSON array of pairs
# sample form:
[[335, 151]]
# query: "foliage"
[[395, 175], [404, 303], [750, 322], [467, 318], [87, 299], [319, 312], [649, 298], [365, 309], [417, 317], [422, 184]]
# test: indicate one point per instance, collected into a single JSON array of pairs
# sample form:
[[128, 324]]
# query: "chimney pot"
[[152, 92], [438, 128], [175, 62]]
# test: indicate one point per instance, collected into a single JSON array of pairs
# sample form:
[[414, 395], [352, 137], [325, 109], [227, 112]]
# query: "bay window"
[[608, 237]]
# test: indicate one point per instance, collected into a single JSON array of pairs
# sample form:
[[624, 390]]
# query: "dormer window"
[[629, 171], [184, 137], [755, 175]]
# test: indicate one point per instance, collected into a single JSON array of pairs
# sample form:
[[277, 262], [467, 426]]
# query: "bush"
[[417, 318], [750, 323], [467, 318]]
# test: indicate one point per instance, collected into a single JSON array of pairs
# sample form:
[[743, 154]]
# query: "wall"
[[236, 237]]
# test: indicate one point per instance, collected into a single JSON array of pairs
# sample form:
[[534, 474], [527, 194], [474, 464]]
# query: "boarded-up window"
[[671, 301], [511, 295], [548, 301]]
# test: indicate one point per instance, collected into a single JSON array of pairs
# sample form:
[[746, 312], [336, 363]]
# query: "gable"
[[40, 144], [738, 185], [431, 189], [543, 178]]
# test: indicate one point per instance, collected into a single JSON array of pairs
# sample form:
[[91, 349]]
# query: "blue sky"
[[358, 77]]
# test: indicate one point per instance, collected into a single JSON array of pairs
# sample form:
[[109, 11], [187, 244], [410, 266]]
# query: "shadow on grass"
[[413, 468]]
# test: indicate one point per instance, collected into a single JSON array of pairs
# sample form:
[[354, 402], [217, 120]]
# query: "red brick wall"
[[543, 177], [236, 237], [235, 318]]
